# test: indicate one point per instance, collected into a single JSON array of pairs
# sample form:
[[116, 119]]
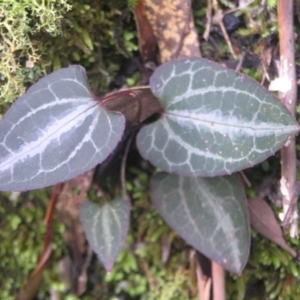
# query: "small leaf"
[[55, 132], [215, 121], [106, 228], [208, 213], [263, 220]]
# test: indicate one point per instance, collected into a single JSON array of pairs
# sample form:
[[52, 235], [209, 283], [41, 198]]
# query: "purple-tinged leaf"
[[55, 132], [106, 228], [208, 213], [215, 121], [263, 220]]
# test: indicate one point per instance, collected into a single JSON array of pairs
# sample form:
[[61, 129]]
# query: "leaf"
[[263, 220], [55, 132], [215, 121], [208, 213], [106, 228]]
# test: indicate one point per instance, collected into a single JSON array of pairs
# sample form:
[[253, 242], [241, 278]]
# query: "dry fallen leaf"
[[263, 220]]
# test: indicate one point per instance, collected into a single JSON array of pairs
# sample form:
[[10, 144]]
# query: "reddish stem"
[[288, 97], [48, 220]]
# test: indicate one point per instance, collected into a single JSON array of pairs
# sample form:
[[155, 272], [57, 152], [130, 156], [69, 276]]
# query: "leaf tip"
[[108, 266]]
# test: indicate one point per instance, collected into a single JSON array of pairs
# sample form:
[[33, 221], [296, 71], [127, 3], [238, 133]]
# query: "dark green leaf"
[[208, 213], [106, 228], [215, 121], [55, 132]]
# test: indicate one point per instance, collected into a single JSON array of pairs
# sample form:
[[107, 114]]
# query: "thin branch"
[[219, 17], [240, 64], [123, 169], [208, 20], [288, 96]]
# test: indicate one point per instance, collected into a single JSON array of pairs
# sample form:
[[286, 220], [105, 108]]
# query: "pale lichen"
[[37, 37], [19, 20]]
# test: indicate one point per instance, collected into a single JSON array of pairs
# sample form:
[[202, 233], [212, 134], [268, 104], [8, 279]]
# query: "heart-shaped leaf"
[[215, 121], [55, 132], [208, 213], [106, 228]]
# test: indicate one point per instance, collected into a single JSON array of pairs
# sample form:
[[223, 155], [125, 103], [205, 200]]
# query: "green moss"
[[261, 22], [39, 37], [271, 273], [131, 3], [100, 35], [22, 234]]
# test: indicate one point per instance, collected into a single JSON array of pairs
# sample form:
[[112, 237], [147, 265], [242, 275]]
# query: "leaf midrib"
[[16, 157], [285, 128]]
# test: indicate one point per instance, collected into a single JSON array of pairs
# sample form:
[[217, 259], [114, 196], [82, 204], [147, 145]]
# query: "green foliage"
[[22, 233], [262, 22], [41, 36], [109, 223], [271, 3], [271, 273], [143, 250], [171, 287], [138, 272], [89, 31], [131, 3]]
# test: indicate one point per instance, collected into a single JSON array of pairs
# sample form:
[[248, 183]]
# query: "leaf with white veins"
[[208, 213], [55, 132], [106, 228], [215, 121]]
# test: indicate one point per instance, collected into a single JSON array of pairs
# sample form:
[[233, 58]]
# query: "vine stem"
[[288, 96], [123, 169]]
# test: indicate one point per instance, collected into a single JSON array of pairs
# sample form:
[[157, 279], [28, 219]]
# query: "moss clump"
[[22, 233], [271, 273], [19, 21], [38, 37]]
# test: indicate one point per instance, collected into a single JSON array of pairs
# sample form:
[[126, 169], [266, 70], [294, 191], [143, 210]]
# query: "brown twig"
[[288, 96], [240, 64], [48, 220], [123, 169], [219, 17], [208, 20]]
